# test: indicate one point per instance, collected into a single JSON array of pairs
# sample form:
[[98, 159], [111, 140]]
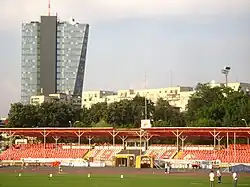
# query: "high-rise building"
[[53, 57]]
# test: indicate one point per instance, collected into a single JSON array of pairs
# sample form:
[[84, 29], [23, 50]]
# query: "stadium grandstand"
[[33, 145]]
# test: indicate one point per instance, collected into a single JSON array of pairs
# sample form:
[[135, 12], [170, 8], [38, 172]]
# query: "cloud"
[[13, 13]]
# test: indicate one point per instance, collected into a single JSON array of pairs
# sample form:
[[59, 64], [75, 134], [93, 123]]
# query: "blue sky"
[[194, 39]]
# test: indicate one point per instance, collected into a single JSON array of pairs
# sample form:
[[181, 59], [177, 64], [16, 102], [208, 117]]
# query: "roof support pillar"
[[79, 135], [147, 138], [214, 134], [56, 138], [11, 136], [247, 141], [123, 138], [113, 134], [140, 134], [234, 147], [183, 138], [227, 141], [177, 134], [219, 138], [44, 134], [89, 138]]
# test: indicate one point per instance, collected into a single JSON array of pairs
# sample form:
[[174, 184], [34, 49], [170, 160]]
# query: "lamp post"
[[245, 121], [225, 72]]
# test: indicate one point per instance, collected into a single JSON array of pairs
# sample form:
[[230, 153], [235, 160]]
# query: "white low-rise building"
[[177, 96]]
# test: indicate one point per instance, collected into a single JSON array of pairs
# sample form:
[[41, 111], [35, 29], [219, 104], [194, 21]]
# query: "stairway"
[[178, 155], [88, 154]]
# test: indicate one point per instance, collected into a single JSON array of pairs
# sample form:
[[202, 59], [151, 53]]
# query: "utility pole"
[[145, 86], [171, 78], [48, 7]]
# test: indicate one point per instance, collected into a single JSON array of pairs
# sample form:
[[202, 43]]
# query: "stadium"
[[37, 153]]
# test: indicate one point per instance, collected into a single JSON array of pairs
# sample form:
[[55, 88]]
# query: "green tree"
[[84, 117], [217, 106], [237, 107], [98, 112], [121, 113], [22, 115], [138, 105], [56, 114], [167, 115]]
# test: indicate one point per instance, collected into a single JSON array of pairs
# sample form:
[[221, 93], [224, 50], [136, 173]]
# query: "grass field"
[[70, 180]]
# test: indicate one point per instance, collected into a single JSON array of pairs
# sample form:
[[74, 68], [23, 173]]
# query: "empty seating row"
[[225, 156], [38, 151], [160, 153], [103, 154]]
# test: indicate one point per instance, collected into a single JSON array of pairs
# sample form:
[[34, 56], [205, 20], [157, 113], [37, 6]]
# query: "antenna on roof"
[[49, 7]]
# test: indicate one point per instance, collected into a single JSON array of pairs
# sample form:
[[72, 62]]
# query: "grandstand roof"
[[109, 131]]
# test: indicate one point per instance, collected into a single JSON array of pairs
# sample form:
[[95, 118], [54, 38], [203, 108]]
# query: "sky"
[[176, 42]]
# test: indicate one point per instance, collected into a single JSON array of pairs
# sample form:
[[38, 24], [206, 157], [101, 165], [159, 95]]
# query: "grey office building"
[[53, 57]]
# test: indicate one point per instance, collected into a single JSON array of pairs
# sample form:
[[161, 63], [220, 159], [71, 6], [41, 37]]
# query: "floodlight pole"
[[226, 77], [225, 71], [145, 97]]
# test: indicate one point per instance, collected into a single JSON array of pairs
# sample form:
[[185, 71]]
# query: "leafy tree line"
[[218, 106]]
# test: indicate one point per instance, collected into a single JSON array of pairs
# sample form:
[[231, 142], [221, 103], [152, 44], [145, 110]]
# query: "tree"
[[167, 115], [84, 117], [237, 107], [217, 106], [56, 114], [22, 115], [121, 113], [98, 112], [139, 111]]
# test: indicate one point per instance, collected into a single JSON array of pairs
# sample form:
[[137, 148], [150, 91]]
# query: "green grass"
[[69, 180]]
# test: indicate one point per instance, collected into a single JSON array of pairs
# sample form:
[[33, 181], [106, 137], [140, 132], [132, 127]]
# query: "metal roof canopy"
[[161, 132]]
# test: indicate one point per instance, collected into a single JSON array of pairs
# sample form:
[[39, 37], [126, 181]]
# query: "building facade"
[[236, 86], [62, 97], [177, 96], [53, 57]]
